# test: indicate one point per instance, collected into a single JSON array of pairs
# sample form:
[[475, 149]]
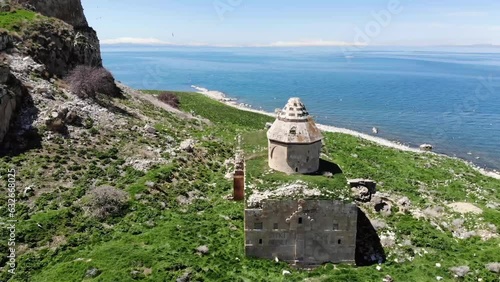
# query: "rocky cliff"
[[5, 40], [70, 11], [60, 46], [47, 46], [11, 94]]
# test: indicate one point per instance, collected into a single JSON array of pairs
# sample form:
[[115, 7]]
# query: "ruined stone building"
[[306, 232], [303, 232], [294, 140]]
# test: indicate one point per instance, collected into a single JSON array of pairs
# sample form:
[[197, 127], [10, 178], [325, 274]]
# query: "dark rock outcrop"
[[5, 40], [61, 118], [11, 95], [70, 11], [52, 45], [60, 46]]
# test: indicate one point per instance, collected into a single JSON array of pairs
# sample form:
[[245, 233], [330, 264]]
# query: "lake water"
[[450, 99]]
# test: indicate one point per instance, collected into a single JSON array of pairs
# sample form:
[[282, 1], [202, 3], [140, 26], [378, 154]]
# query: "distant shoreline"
[[221, 97]]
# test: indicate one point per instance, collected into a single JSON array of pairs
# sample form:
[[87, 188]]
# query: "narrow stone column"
[[239, 177]]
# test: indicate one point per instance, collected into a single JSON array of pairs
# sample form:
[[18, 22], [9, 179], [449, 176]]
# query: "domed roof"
[[294, 110], [294, 125]]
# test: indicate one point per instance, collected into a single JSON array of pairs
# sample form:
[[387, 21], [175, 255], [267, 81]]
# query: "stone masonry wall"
[[294, 158], [305, 232]]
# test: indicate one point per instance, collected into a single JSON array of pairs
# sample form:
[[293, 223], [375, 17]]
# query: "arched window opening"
[[272, 151]]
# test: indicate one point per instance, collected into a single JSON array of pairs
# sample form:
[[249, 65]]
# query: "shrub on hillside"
[[105, 201], [87, 82], [169, 98]]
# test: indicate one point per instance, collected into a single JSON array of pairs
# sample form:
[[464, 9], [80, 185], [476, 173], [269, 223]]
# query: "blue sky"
[[296, 23]]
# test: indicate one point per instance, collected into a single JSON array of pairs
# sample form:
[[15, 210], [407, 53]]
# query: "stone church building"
[[305, 232], [294, 140]]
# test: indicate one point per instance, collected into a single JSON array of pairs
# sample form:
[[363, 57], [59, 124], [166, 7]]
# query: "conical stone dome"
[[294, 125]]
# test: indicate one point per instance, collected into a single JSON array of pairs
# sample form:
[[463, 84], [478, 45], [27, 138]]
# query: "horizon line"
[[154, 42]]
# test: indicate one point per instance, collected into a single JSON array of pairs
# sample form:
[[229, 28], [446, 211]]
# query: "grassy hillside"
[[156, 237], [16, 20]]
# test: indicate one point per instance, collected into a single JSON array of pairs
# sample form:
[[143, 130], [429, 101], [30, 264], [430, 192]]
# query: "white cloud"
[[135, 40], [310, 43], [463, 14], [438, 25], [156, 42]]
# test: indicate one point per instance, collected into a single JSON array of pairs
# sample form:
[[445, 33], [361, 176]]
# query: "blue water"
[[448, 99]]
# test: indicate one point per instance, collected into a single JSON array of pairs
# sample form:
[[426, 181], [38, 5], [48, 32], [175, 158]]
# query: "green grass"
[[16, 20], [219, 113], [160, 234], [405, 172]]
